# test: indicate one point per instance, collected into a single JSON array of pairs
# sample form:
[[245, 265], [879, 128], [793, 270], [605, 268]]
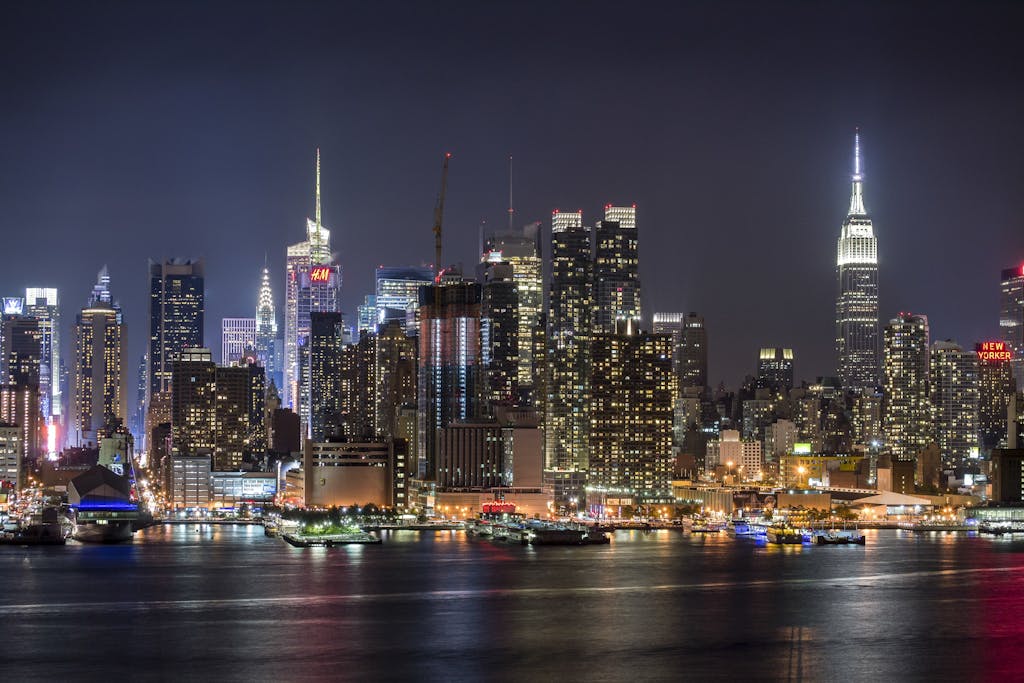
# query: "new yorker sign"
[[993, 351]]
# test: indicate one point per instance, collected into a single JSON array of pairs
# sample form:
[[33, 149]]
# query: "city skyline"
[[777, 185]]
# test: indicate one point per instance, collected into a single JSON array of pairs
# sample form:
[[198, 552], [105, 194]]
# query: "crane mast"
[[439, 216]]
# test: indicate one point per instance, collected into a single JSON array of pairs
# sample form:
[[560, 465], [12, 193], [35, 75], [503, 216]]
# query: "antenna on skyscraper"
[[856, 153], [510, 209], [316, 237]]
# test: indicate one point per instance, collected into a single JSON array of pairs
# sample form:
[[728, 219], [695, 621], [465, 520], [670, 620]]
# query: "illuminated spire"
[[265, 316], [318, 191], [857, 193]]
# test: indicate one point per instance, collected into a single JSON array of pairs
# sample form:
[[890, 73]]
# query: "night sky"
[[149, 130]]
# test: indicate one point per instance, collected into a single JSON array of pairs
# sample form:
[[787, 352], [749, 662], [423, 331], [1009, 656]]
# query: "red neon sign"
[[993, 351], [320, 274]]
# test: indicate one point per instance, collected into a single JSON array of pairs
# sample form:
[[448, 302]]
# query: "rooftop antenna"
[[511, 211], [316, 236]]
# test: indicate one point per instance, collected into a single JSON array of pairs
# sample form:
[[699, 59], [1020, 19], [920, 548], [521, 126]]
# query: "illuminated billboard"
[[994, 351], [320, 274], [802, 449], [14, 305]]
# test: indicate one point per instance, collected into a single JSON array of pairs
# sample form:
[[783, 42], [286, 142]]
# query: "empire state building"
[[857, 299]]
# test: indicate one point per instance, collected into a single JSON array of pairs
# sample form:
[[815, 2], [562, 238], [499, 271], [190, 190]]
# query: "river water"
[[227, 603]]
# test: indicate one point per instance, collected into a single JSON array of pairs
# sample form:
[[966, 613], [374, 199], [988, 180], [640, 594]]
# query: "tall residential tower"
[[567, 408]]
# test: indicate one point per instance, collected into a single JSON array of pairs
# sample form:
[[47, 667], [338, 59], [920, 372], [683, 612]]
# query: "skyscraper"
[[954, 395], [237, 335], [906, 411], [325, 349], [398, 295], [775, 370], [694, 352], [312, 284], [100, 366], [1011, 318], [266, 331], [240, 416], [41, 303], [217, 410], [567, 409], [450, 386], [138, 416], [194, 402], [367, 317], [857, 299], [520, 249], [358, 364], [996, 386], [616, 292], [22, 351], [633, 393], [394, 377], [672, 324], [500, 333], [177, 309]]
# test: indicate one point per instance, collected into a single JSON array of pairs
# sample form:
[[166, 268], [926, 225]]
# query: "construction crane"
[[439, 216]]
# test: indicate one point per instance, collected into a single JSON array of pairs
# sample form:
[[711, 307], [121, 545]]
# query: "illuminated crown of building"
[[857, 243], [265, 302]]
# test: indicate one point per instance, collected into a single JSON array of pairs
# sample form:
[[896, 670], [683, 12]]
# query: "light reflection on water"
[[228, 602]]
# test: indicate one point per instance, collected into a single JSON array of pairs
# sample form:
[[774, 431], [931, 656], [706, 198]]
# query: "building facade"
[[521, 250], [450, 359], [953, 390], [42, 304], [633, 392], [567, 406], [500, 333], [775, 370], [397, 294], [906, 410], [177, 307], [616, 292], [996, 387], [100, 367], [693, 354], [312, 285], [857, 298], [325, 350], [237, 337], [1011, 317], [394, 377]]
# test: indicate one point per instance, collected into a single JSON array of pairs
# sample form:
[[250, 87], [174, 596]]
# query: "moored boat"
[[785, 535]]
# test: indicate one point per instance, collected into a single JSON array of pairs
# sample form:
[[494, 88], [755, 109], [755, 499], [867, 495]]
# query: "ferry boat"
[[836, 537], [922, 526], [547, 533], [1000, 528], [745, 528], [350, 537], [785, 535]]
